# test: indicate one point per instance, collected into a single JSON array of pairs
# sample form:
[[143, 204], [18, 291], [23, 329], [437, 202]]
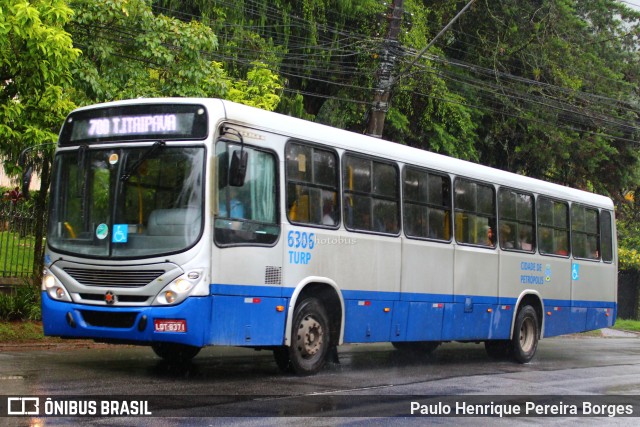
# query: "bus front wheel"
[[525, 335], [175, 353], [309, 340]]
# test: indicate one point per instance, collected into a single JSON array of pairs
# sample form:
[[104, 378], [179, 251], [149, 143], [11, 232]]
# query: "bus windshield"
[[127, 202]]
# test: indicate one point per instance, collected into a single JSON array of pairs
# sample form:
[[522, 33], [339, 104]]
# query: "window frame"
[[539, 226], [476, 212], [534, 243], [611, 239], [585, 233], [428, 204], [278, 217], [338, 189], [370, 194]]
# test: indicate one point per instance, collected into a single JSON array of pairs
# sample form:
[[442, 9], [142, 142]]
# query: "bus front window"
[[99, 211], [247, 214]]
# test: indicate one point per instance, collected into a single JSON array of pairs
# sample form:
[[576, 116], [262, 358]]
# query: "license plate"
[[170, 325]]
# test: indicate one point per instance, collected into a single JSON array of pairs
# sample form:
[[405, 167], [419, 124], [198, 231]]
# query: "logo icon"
[[120, 233], [23, 406], [109, 298], [102, 230]]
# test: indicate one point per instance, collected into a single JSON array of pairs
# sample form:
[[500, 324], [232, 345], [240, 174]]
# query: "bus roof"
[[342, 139]]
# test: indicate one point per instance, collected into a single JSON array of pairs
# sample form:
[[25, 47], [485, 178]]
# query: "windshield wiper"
[[134, 167]]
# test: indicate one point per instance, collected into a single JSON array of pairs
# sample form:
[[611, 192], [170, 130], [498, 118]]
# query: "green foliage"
[[259, 90], [628, 259], [560, 97], [155, 55], [22, 304], [627, 325], [130, 52], [20, 332], [36, 54]]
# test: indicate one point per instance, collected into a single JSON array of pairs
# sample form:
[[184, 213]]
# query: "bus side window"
[[585, 234], [553, 227], [475, 217], [312, 185], [427, 204], [606, 236], [371, 195], [515, 217]]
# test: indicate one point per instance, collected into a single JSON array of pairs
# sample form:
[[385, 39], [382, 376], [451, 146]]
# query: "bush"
[[628, 259], [22, 304]]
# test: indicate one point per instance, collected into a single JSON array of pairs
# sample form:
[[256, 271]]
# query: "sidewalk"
[[613, 333]]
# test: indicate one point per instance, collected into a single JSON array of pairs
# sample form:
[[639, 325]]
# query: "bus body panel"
[[391, 288], [247, 321]]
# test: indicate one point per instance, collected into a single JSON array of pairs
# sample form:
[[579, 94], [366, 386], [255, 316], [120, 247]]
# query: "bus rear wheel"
[[526, 334], [175, 353], [309, 340]]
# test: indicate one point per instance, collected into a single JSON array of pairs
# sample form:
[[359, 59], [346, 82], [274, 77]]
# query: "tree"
[[36, 57], [129, 51], [554, 81]]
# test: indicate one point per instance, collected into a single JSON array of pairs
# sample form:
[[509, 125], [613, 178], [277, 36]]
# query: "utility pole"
[[385, 77], [386, 80]]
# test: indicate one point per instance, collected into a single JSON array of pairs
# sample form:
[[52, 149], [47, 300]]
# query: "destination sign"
[[131, 123]]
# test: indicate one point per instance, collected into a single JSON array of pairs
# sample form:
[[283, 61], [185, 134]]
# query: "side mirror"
[[238, 168], [26, 181]]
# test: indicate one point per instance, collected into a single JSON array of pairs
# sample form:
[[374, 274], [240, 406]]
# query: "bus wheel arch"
[[526, 328], [329, 294], [316, 307]]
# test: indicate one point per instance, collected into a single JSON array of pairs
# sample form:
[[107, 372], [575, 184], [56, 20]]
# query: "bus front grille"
[[107, 319], [113, 278]]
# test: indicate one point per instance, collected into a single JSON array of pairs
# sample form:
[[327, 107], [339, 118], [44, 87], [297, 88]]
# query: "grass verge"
[[627, 325], [17, 332]]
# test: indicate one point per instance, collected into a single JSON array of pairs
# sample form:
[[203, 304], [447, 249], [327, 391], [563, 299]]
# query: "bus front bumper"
[[182, 323]]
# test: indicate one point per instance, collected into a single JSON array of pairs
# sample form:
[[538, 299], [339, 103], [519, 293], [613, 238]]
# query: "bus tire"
[[498, 349], [525, 335], [175, 353], [416, 347], [309, 338]]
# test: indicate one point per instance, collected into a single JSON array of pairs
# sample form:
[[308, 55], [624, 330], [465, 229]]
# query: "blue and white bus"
[[184, 223]]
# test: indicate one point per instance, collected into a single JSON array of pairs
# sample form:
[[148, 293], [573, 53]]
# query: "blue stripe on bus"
[[286, 292], [394, 316], [256, 315]]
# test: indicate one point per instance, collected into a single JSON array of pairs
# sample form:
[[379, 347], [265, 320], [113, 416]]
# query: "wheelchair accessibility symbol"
[[120, 233], [575, 272]]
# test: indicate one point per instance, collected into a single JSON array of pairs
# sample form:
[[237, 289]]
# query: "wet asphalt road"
[[371, 381]]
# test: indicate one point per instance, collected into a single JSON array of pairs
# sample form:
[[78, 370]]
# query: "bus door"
[[247, 258]]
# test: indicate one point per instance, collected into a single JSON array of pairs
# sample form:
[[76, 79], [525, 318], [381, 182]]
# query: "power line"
[[350, 49]]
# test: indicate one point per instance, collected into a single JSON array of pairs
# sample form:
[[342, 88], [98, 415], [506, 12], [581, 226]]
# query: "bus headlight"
[[176, 291], [54, 288]]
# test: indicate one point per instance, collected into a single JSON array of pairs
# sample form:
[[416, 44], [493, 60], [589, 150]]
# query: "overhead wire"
[[349, 44]]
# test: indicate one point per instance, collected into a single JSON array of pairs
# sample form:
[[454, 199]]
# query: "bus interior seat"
[[173, 222]]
